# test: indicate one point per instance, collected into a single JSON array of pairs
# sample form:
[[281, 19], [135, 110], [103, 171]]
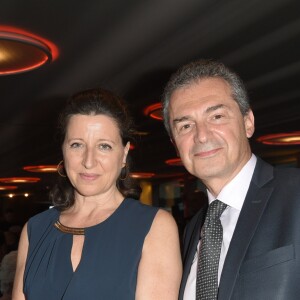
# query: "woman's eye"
[[105, 147], [75, 145]]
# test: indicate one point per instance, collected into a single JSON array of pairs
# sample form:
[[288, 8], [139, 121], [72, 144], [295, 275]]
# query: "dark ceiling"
[[132, 47]]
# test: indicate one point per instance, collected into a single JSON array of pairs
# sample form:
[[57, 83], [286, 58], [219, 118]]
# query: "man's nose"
[[202, 132]]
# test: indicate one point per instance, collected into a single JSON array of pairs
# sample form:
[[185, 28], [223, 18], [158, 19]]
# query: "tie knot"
[[215, 210]]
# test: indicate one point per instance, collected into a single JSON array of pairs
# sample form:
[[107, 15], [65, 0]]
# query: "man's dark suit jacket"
[[263, 260]]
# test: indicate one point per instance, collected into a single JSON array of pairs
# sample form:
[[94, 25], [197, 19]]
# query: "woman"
[[97, 242]]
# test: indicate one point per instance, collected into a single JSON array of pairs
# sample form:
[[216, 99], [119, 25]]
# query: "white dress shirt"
[[233, 194]]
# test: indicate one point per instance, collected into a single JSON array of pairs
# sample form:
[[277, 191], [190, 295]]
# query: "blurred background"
[[52, 49]]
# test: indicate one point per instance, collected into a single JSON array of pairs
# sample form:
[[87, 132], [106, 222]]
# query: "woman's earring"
[[59, 169]]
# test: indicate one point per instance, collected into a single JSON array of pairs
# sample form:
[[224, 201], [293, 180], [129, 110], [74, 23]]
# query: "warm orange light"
[[22, 50], [141, 133], [291, 138], [143, 175], [170, 175], [41, 168], [51, 45], [154, 111], [20, 180], [174, 162], [8, 187]]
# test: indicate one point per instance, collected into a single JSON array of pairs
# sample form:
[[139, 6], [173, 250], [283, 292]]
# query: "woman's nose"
[[89, 159]]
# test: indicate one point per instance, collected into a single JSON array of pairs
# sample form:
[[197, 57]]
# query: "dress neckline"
[[66, 229], [82, 230]]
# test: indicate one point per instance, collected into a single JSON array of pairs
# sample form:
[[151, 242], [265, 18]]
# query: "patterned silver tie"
[[210, 248]]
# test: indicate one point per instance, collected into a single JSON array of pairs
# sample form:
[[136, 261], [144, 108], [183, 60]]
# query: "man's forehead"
[[181, 116], [214, 90]]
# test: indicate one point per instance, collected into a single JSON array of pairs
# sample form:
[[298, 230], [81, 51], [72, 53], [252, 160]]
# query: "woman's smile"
[[89, 176]]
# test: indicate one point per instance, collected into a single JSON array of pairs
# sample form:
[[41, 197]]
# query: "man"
[[209, 120]]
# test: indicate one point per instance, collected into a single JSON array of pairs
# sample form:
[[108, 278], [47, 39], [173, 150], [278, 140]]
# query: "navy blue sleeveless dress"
[[109, 261]]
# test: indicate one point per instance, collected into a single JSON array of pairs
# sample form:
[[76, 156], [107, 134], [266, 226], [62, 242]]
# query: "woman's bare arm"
[[160, 268], [17, 293]]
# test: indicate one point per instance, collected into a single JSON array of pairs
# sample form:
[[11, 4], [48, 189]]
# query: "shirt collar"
[[234, 193]]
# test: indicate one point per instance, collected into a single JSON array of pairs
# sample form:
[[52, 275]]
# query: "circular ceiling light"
[[291, 138], [21, 51], [142, 175], [141, 133], [8, 187], [41, 168], [170, 175], [174, 162], [154, 111], [20, 180]]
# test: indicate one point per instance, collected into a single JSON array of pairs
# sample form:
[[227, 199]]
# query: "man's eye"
[[217, 117], [184, 127]]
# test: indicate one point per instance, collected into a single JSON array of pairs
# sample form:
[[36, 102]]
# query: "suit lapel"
[[252, 210]]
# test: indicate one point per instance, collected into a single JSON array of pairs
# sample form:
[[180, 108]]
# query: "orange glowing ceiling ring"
[[141, 175], [280, 139], [22, 51], [8, 187], [41, 168], [154, 111], [20, 180], [174, 162]]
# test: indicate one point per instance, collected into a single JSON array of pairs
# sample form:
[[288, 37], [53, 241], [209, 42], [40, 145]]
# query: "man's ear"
[[249, 123]]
